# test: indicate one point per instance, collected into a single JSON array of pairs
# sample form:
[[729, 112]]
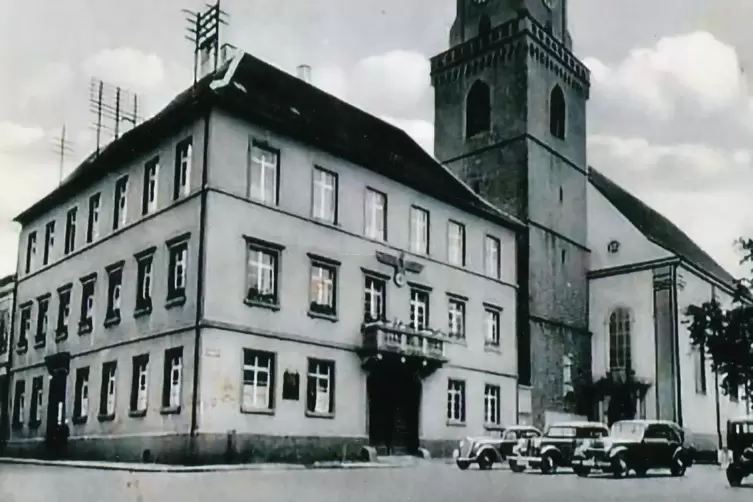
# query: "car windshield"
[[628, 430]]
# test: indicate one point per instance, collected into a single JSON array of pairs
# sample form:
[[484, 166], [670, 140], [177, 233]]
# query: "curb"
[[157, 468]]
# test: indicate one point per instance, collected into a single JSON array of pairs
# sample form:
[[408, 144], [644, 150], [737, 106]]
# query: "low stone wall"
[[206, 449]]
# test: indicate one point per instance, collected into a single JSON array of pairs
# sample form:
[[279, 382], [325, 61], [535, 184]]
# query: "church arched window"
[[557, 112], [620, 326], [484, 26], [478, 109]]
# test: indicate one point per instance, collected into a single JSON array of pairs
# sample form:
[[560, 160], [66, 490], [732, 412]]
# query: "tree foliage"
[[623, 390], [726, 334]]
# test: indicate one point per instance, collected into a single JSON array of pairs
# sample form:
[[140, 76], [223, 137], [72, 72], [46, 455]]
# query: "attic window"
[[613, 247], [557, 112], [478, 109]]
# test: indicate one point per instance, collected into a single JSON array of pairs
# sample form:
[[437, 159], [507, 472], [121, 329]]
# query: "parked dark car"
[[740, 446], [556, 447], [637, 445], [496, 447]]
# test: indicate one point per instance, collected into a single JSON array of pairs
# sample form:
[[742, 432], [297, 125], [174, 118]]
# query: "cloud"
[[46, 83], [126, 67], [422, 131], [332, 80], [16, 136]]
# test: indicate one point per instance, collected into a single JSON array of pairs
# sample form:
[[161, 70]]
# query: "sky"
[[670, 116]]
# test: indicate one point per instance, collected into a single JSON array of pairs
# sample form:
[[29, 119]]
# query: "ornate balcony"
[[393, 341]]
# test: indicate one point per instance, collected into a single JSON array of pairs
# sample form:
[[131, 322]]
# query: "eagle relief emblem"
[[400, 265]]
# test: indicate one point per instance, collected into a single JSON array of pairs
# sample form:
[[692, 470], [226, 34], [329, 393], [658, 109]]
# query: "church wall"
[[606, 224], [633, 291]]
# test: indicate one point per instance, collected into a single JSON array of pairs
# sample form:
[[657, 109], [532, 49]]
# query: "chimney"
[[304, 72]]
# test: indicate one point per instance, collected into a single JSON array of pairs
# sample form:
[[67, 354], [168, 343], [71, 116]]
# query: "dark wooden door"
[[394, 401]]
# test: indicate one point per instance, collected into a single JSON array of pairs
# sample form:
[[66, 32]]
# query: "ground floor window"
[[19, 403], [492, 404], [108, 389], [456, 401], [172, 378], [81, 398], [320, 387], [258, 380], [140, 384]]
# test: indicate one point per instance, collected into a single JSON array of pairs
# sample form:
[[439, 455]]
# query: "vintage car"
[[556, 447], [496, 447], [740, 446], [637, 445]]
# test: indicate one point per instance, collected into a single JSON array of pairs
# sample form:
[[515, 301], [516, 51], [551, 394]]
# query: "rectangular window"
[[19, 403], [114, 290], [86, 321], [375, 215], [64, 312], [419, 230], [264, 166], [262, 274], [120, 204], [183, 163], [491, 321], [492, 257], [4, 330], [92, 229], [108, 390], [70, 230], [172, 379], [456, 401], [321, 387], [43, 315], [151, 187], [140, 384], [49, 242], [258, 380], [144, 280], [177, 270], [325, 196], [323, 288], [699, 358], [492, 395], [24, 328], [456, 244], [31, 250], [375, 301], [81, 398], [456, 316], [35, 413], [419, 309]]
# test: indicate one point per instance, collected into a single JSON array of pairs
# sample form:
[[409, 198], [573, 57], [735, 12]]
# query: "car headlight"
[[462, 443], [536, 442]]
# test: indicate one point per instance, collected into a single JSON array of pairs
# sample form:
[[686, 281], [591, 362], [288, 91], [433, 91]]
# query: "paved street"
[[434, 482]]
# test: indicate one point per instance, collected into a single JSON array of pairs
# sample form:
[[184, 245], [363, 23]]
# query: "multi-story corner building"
[[510, 119], [262, 271], [7, 288]]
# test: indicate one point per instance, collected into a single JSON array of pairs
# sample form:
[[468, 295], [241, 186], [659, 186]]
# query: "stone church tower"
[[510, 120]]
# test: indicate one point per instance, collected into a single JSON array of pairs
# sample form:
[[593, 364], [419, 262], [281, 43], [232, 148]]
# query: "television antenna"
[[62, 147], [112, 106], [204, 31]]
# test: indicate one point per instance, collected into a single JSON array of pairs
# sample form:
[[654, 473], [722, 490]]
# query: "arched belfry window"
[[620, 326], [484, 26], [478, 109], [557, 112]]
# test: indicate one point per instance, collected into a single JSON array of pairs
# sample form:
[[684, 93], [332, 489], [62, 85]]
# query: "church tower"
[[510, 120]]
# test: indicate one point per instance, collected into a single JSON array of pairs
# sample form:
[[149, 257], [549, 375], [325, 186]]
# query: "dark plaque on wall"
[[290, 384]]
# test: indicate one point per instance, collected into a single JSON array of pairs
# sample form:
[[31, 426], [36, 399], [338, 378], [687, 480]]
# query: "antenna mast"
[[204, 32], [62, 147], [109, 105]]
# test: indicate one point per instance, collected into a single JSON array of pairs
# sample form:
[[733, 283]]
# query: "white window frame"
[[256, 367], [323, 284], [83, 405], [147, 263], [49, 238], [94, 215], [260, 167], [375, 212], [493, 256], [46, 316], [567, 374], [419, 230], [176, 380], [112, 390], [180, 267], [456, 314], [39, 398], [266, 276], [185, 159], [419, 309], [619, 352], [71, 216], [324, 204], [152, 186], [375, 296], [31, 250], [121, 187], [456, 243], [26, 323], [321, 371], [142, 382], [492, 327], [455, 395], [492, 404]]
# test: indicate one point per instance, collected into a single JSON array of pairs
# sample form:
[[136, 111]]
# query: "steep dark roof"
[[656, 227], [263, 94], [8, 279]]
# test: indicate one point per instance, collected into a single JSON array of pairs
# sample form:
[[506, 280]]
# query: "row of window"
[[176, 295], [456, 397], [263, 280], [139, 399], [149, 204], [264, 187]]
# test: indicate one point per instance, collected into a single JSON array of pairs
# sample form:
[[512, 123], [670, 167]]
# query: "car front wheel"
[[486, 461], [734, 475], [678, 467], [548, 466], [619, 466], [582, 471], [463, 464], [515, 467]]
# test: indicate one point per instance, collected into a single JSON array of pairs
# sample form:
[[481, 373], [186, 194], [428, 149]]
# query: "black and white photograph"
[[376, 250]]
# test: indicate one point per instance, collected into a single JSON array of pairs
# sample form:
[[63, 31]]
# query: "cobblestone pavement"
[[430, 481]]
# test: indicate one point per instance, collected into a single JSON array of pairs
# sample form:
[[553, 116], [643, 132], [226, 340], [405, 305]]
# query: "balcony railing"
[[397, 338]]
